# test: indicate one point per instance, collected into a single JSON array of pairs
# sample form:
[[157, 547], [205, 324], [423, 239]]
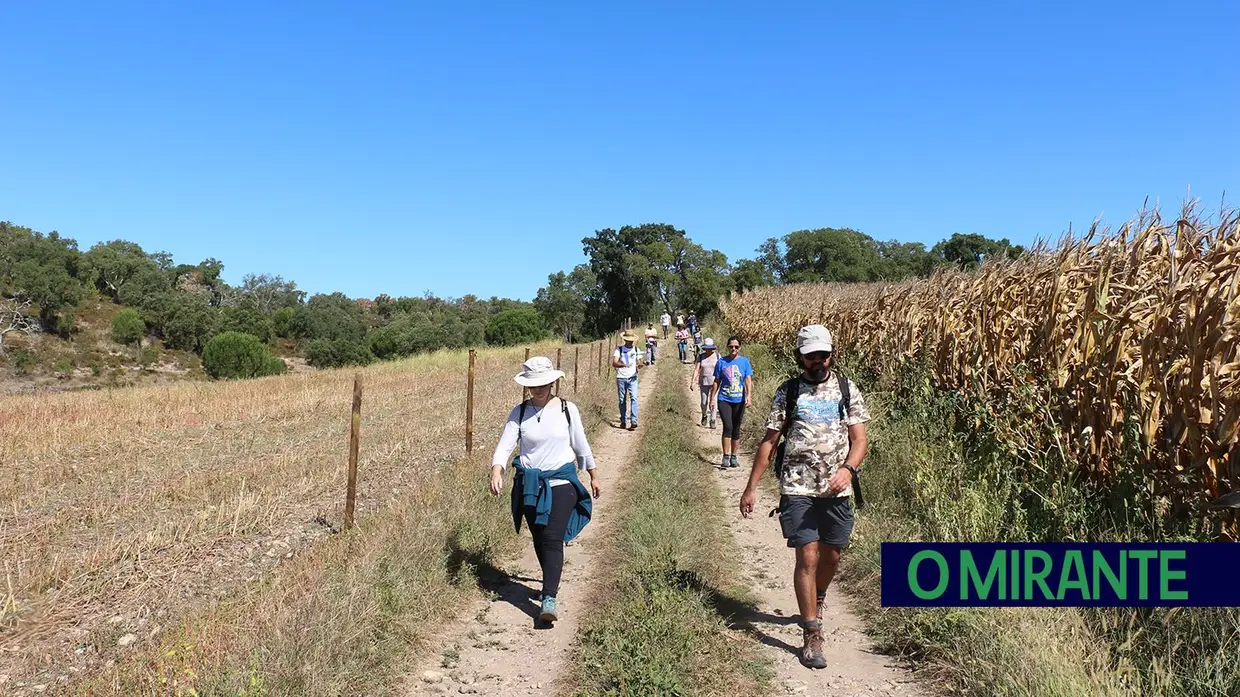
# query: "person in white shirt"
[[625, 360], [666, 321], [546, 491]]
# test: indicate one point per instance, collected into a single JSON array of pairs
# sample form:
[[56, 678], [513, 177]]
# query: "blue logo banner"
[[1026, 574]]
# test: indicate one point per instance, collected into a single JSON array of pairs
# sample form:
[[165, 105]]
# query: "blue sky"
[[468, 147]]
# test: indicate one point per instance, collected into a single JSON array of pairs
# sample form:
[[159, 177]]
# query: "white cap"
[[814, 337]]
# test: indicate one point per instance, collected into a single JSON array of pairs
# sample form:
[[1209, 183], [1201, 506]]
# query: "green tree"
[[750, 273], [243, 318], [970, 250], [43, 269], [128, 327], [281, 322], [512, 327], [231, 355], [112, 265], [184, 321], [562, 302], [332, 316]]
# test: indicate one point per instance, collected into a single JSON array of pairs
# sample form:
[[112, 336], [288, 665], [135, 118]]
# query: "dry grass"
[[1134, 335], [145, 503]]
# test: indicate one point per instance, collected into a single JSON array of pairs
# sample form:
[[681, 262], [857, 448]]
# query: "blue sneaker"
[[548, 610]]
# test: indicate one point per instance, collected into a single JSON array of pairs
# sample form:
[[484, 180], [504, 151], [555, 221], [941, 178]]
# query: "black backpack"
[[792, 390]]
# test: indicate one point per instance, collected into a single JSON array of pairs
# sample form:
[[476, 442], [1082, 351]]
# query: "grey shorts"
[[825, 519]]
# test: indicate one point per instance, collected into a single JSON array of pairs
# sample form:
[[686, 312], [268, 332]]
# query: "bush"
[[281, 322], [512, 327], [328, 353], [128, 327], [23, 360], [237, 355]]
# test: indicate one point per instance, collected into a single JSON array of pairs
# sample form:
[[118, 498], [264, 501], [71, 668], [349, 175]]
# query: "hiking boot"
[[633, 426], [735, 461], [703, 422], [727, 462], [712, 424], [623, 424], [812, 650], [548, 613]]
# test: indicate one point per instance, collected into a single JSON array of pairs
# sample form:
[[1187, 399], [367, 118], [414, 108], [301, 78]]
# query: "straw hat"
[[628, 336], [538, 371]]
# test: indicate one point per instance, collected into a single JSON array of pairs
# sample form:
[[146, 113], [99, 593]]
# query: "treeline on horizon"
[[634, 272]]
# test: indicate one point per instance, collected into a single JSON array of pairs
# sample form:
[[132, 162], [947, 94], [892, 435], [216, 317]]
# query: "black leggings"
[[732, 413], [549, 538]]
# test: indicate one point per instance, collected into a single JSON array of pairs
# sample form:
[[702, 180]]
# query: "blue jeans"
[[684, 349], [650, 349], [627, 387]]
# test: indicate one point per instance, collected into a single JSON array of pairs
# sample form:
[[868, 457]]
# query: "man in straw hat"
[[821, 416], [625, 360], [546, 491]]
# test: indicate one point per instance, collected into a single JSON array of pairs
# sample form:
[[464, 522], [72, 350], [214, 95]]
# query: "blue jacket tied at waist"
[[531, 488]]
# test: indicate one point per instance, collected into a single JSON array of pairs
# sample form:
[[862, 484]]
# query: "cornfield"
[[1133, 335]]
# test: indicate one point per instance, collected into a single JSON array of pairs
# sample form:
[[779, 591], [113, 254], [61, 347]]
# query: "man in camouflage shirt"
[[823, 448]]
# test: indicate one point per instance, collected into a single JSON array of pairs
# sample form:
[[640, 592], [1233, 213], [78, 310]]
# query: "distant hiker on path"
[[624, 360], [652, 342], [546, 491], [824, 442], [666, 321], [693, 328], [682, 342], [733, 391], [703, 379]]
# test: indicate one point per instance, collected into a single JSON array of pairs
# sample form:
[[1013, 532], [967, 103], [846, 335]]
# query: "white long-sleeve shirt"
[[547, 441]]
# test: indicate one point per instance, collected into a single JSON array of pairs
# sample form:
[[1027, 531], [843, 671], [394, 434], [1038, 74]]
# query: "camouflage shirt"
[[818, 439]]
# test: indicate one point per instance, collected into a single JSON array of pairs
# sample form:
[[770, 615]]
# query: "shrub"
[[512, 327], [281, 322], [128, 327], [328, 353], [236, 355], [23, 360]]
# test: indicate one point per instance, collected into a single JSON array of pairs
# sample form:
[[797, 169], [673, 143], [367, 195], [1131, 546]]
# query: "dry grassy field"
[[125, 509]]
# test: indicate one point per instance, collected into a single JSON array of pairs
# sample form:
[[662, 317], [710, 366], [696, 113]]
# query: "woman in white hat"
[[546, 491], [703, 378]]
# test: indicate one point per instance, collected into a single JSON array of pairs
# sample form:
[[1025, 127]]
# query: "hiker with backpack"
[[732, 392], [626, 362], [816, 431], [546, 491]]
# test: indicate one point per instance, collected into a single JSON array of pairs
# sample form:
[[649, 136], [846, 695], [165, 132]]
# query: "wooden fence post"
[[576, 366], [525, 394], [354, 436], [557, 367], [469, 407]]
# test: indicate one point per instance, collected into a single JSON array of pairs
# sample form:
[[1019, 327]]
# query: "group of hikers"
[[815, 438], [686, 330]]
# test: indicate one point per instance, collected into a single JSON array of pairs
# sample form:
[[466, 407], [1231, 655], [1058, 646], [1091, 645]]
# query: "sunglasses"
[[817, 355]]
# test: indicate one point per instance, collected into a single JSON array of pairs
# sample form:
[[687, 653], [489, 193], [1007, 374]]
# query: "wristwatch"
[[850, 468]]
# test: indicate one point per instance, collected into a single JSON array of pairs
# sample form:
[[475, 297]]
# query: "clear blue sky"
[[468, 147]]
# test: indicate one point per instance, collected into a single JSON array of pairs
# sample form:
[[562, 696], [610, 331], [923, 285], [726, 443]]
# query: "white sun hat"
[[814, 337], [539, 371]]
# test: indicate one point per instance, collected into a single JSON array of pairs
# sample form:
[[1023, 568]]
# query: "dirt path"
[[852, 666], [498, 649]]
